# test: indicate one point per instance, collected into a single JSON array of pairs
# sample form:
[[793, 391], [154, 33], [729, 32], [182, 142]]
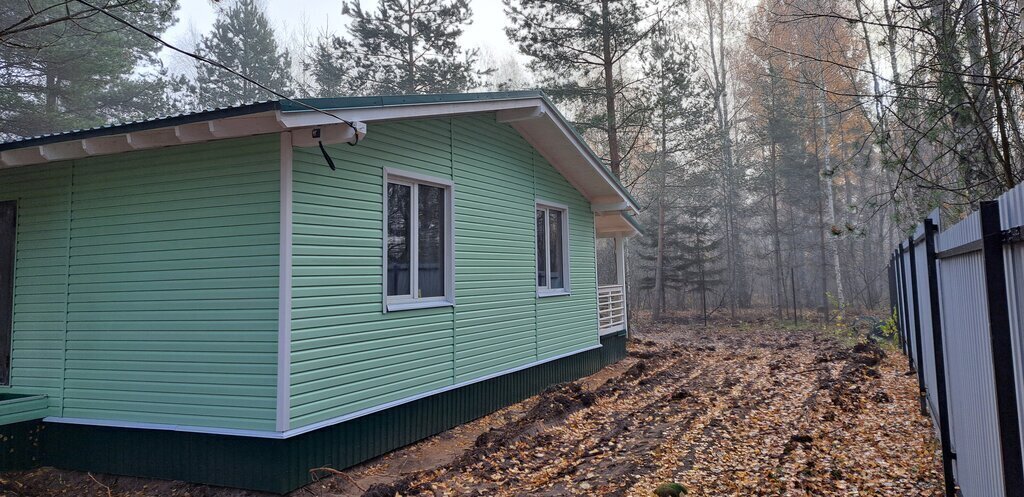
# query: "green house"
[[239, 295]]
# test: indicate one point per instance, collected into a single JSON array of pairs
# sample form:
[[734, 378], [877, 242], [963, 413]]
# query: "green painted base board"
[[21, 445], [283, 465]]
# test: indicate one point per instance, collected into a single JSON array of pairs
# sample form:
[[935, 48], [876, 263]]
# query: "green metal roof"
[[303, 105], [399, 100]]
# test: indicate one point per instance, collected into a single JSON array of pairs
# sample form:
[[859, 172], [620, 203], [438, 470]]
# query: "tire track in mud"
[[548, 436], [764, 385], [737, 413]]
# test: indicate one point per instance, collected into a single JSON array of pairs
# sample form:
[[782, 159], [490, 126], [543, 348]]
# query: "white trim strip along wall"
[[284, 293], [308, 428]]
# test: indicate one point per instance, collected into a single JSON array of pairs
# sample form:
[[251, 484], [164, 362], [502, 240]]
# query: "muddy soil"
[[732, 409]]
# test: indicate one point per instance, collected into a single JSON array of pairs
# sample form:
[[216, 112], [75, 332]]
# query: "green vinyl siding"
[[169, 265], [43, 196], [495, 283], [562, 318], [347, 355]]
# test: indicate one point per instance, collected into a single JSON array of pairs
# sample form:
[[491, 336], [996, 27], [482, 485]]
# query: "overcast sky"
[[287, 16]]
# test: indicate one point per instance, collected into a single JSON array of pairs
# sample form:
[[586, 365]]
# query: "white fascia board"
[[155, 138], [104, 145], [613, 223], [63, 151], [22, 156], [521, 114], [232, 127], [244, 126], [303, 119], [194, 132], [594, 162], [609, 207]]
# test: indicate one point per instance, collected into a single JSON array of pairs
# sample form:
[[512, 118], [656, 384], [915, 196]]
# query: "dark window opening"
[[8, 228]]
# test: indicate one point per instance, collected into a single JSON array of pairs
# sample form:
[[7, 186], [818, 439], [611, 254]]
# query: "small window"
[[418, 235], [552, 250]]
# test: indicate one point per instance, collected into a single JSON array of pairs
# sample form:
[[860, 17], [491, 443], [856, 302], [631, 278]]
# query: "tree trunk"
[[830, 195], [716, 18], [659, 283], [615, 160], [993, 67], [780, 285]]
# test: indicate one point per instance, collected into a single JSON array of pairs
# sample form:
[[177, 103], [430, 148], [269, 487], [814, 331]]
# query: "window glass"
[[399, 237], [542, 250], [556, 255], [431, 260]]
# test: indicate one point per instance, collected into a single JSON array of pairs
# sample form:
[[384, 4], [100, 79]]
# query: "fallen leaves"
[[724, 411]]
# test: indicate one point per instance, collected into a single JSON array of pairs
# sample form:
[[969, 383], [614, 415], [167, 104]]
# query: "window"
[[552, 250], [418, 235]]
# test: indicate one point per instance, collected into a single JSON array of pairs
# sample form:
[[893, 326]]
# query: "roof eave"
[[529, 112]]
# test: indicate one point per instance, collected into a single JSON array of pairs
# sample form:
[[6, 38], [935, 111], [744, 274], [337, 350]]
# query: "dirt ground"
[[734, 409]]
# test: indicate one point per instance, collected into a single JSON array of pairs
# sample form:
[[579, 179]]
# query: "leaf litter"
[[751, 410], [728, 410]]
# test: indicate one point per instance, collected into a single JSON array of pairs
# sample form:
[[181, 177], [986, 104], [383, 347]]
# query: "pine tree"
[[404, 47], [579, 48], [688, 258], [69, 75], [243, 40], [679, 105], [701, 248]]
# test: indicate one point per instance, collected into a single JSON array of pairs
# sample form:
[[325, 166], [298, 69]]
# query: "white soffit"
[[534, 119], [77, 148], [611, 224]]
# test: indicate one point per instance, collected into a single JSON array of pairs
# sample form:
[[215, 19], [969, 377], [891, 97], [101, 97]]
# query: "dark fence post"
[[940, 359], [901, 303], [921, 387], [893, 306], [1002, 348], [906, 309]]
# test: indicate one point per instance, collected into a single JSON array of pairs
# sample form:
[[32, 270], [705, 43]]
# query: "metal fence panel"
[[911, 314], [927, 361], [974, 423], [1011, 214]]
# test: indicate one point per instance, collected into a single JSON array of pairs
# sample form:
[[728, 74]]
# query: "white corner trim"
[[311, 427], [284, 292]]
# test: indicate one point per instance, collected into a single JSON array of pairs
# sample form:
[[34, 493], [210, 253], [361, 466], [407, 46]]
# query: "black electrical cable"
[[222, 67], [330, 162]]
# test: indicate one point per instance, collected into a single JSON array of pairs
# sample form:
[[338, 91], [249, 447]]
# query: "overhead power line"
[[218, 65]]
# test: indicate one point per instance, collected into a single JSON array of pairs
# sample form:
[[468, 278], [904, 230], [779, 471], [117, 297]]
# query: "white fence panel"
[[974, 426], [927, 362], [911, 315]]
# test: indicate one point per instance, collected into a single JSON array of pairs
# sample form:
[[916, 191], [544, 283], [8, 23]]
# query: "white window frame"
[[402, 302], [548, 206]]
